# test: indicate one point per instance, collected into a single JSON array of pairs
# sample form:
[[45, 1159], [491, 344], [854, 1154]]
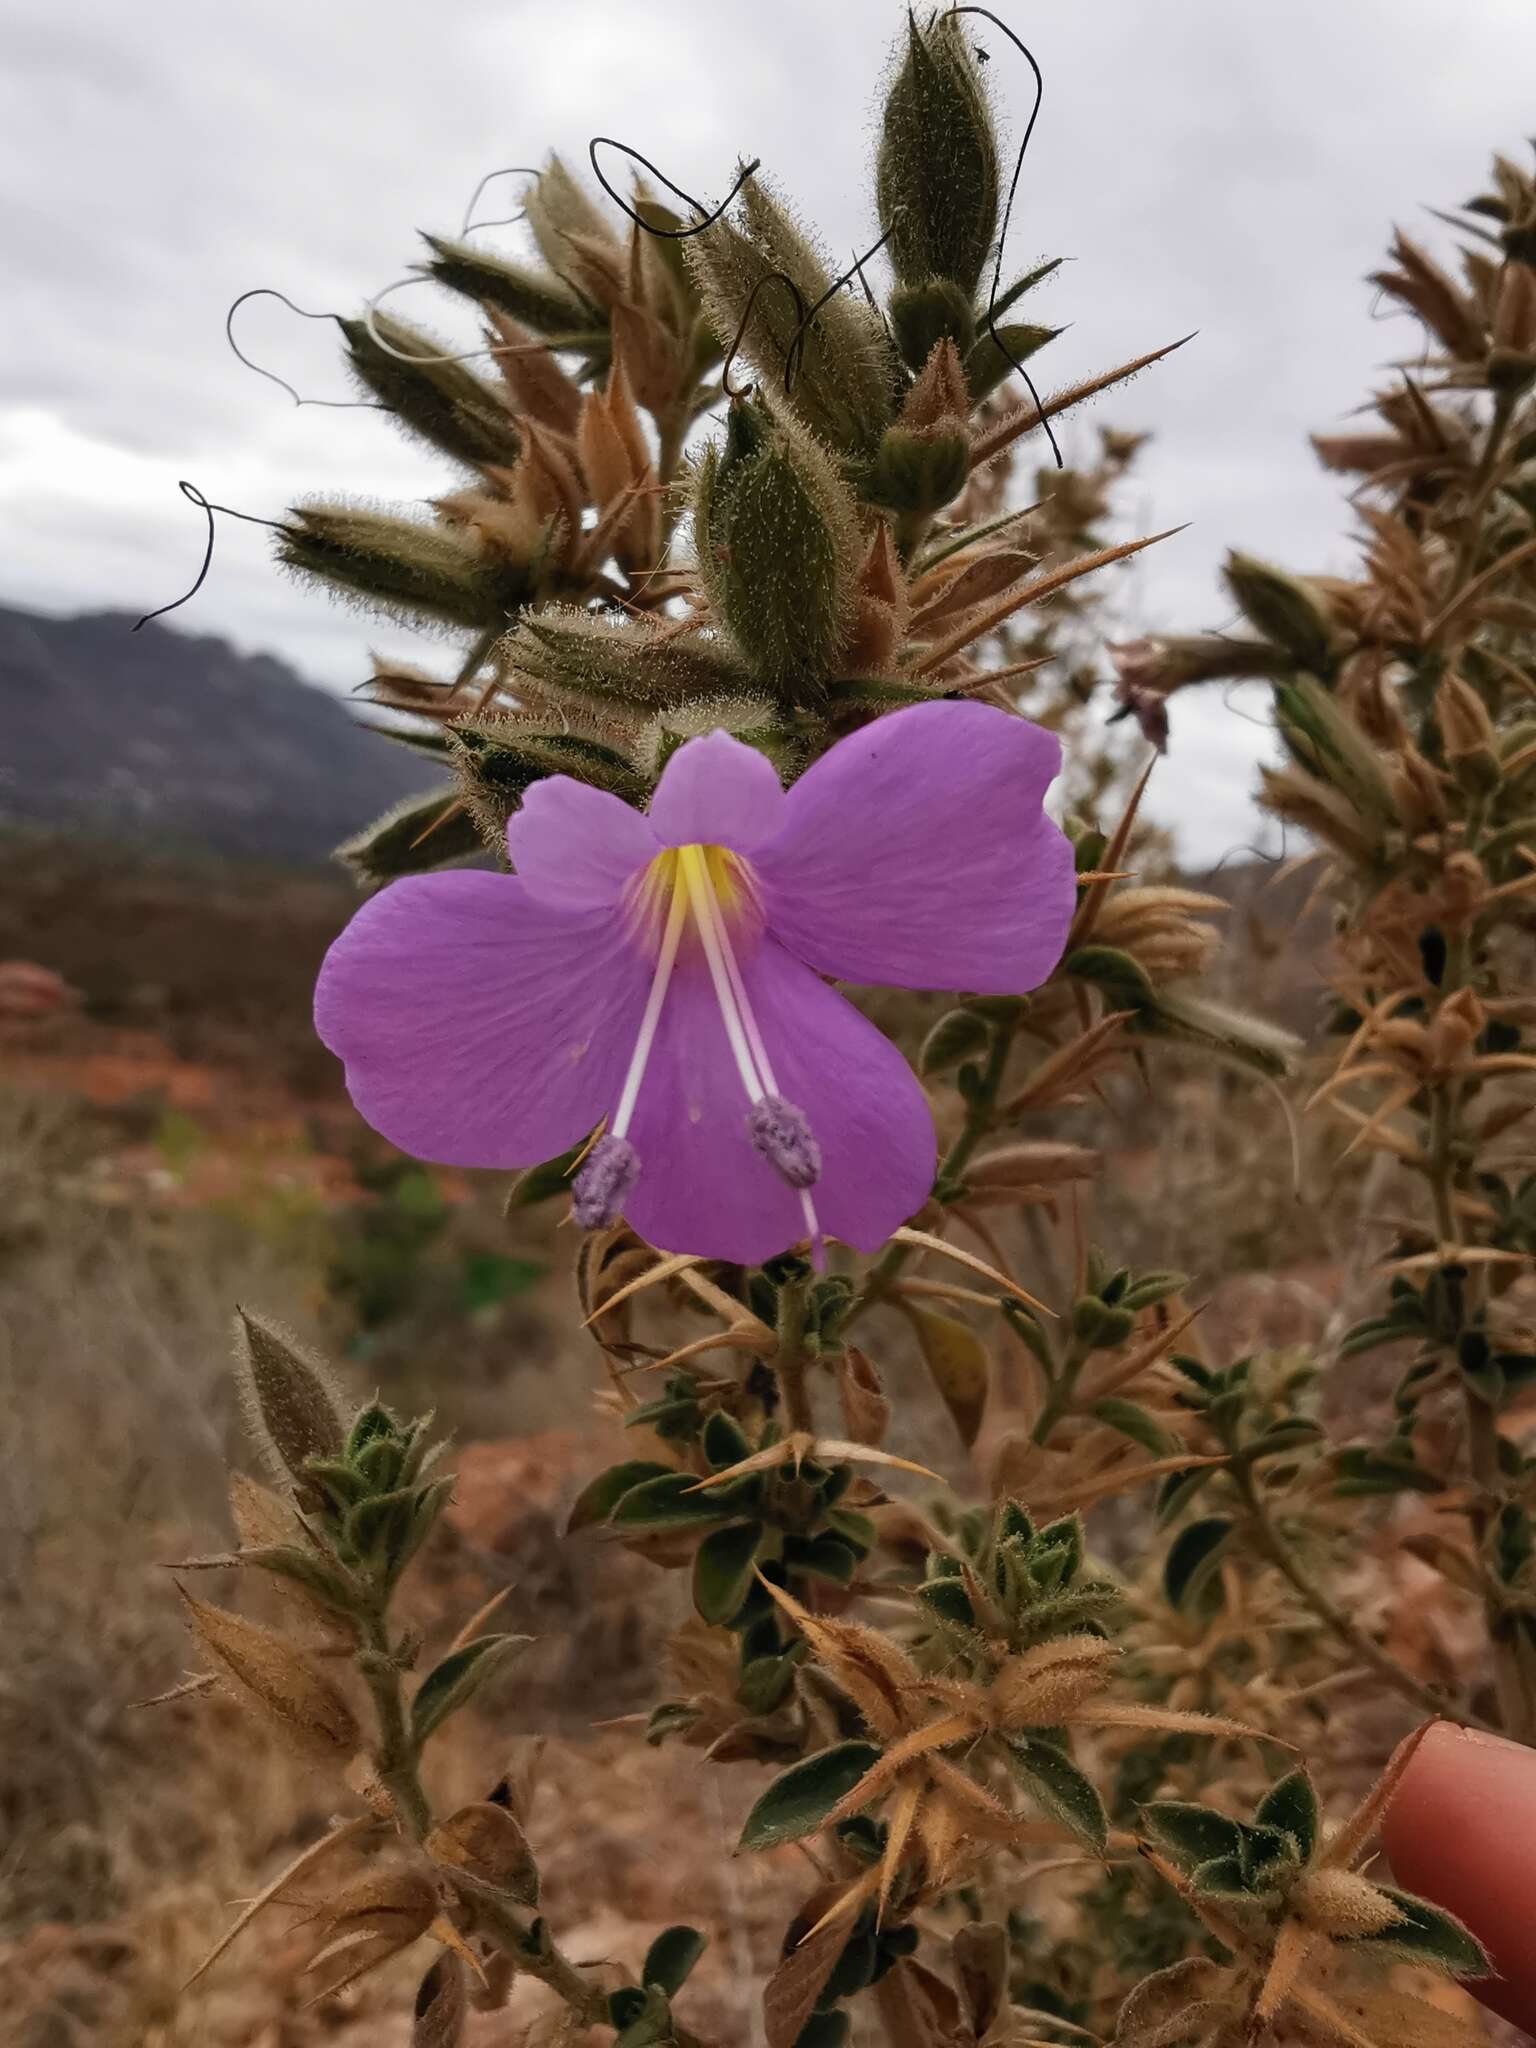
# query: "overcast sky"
[[1207, 164]]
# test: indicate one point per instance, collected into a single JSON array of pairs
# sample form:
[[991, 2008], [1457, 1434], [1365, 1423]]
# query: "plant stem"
[[1059, 1399], [585, 1998], [790, 1361], [400, 1775], [398, 1771], [1274, 1545]]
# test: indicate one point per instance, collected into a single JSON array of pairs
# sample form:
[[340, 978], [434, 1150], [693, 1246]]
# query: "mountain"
[[180, 743]]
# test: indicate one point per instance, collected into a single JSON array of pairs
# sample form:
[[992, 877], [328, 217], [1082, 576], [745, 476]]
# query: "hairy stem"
[[1272, 1544], [398, 1772], [790, 1360]]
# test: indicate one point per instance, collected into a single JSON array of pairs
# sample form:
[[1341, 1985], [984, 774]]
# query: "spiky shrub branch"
[[1402, 700], [964, 1710]]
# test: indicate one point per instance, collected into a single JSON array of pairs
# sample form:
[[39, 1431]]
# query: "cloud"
[[1207, 166]]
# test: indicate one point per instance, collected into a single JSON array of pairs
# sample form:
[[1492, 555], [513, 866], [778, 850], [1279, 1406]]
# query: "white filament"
[[629, 1095]]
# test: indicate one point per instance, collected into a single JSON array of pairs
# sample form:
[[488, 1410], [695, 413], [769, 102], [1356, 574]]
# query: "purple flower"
[[662, 974]]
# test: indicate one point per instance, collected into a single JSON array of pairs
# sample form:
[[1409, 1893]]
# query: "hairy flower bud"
[[937, 171], [778, 545], [924, 460], [1289, 610], [1471, 742]]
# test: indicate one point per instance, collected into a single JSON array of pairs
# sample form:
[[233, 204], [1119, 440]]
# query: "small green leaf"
[[545, 1182], [624, 2005], [1149, 1288], [1430, 1936], [722, 1570], [456, 1680], [598, 1500], [1179, 1489], [1137, 1424], [672, 1501], [1192, 1557], [1122, 978], [799, 1799], [825, 1557], [421, 833], [651, 2025], [955, 1037], [765, 1682], [1224, 1877], [306, 1568], [1191, 1834], [1291, 1805], [724, 1441], [671, 1956], [1056, 1784]]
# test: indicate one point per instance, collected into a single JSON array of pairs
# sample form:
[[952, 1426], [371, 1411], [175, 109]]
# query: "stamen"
[[666, 959], [778, 1129], [711, 931], [605, 1183], [782, 1133]]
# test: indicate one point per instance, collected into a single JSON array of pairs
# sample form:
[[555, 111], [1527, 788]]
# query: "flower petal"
[[704, 1189], [575, 847], [716, 791], [916, 853], [479, 1026]]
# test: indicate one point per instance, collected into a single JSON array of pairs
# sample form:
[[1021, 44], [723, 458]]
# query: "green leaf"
[[543, 1183], [1137, 1424], [670, 1502], [1179, 1489], [1191, 1834], [306, 1568], [651, 2025], [625, 2005], [1430, 1936], [1192, 1556], [671, 1956], [765, 1682], [455, 1681], [1149, 1288], [722, 1570], [421, 833], [956, 1037], [597, 1501], [1056, 1785], [1360, 1471], [724, 1442], [799, 1799], [1224, 1877], [825, 1557], [1123, 979], [1291, 1804]]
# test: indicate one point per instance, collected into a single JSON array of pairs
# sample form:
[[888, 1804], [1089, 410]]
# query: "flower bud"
[[1285, 609], [778, 545], [1322, 736], [922, 315], [444, 403], [1471, 743], [936, 175], [924, 460]]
